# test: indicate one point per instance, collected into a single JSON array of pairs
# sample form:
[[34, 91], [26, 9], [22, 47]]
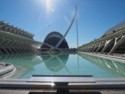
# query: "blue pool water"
[[63, 64]]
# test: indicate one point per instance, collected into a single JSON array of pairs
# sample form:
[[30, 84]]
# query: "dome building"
[[52, 39], [55, 41]]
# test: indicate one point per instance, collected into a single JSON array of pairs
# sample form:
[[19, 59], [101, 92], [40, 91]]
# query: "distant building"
[[15, 40], [56, 42], [113, 41], [52, 39]]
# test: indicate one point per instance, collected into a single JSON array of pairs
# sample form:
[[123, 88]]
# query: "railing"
[[42, 84]]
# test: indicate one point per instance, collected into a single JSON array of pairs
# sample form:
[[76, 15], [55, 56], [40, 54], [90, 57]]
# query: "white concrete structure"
[[14, 40], [113, 41]]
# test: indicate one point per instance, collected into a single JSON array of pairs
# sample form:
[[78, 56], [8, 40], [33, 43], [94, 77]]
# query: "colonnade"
[[13, 40], [5, 27], [111, 43]]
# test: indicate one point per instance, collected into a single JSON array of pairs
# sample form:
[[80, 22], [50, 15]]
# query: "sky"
[[41, 17]]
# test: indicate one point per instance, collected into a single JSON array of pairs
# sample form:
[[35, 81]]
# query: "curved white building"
[[15, 40], [52, 39], [113, 41]]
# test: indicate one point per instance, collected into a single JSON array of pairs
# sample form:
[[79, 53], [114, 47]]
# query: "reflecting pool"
[[63, 64]]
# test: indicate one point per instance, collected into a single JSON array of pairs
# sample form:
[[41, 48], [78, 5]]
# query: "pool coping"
[[117, 84], [110, 57]]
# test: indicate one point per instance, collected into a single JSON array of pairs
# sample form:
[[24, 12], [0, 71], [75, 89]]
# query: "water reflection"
[[55, 62], [22, 62], [111, 66], [27, 64], [63, 64]]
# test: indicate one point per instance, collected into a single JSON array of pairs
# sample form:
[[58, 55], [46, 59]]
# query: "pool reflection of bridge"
[[55, 62], [111, 66]]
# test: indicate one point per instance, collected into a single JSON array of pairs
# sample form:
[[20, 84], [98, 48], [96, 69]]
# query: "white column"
[[117, 43], [98, 47], [107, 44], [92, 48]]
